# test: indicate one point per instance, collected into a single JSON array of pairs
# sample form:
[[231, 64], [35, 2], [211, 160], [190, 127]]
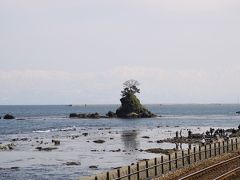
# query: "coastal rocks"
[[46, 148], [111, 114], [145, 137], [6, 147], [159, 151], [180, 140], [99, 141], [238, 112], [85, 134], [19, 139], [56, 142], [85, 116], [8, 116], [93, 167], [73, 163], [132, 108]]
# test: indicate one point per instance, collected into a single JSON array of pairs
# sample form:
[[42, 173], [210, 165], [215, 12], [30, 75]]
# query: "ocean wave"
[[73, 128]]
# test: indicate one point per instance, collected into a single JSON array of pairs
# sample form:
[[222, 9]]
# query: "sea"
[[124, 139]]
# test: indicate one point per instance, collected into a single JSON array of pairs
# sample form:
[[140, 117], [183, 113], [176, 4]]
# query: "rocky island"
[[130, 105]]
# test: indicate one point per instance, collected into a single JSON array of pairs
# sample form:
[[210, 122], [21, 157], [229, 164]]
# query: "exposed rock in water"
[[145, 137], [85, 116], [99, 141], [93, 167], [56, 142], [85, 134], [46, 148], [118, 150], [111, 114], [8, 116], [132, 108], [181, 140], [19, 139], [73, 163], [160, 151], [6, 147]]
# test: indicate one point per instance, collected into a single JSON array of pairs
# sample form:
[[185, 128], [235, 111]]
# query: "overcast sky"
[[81, 51]]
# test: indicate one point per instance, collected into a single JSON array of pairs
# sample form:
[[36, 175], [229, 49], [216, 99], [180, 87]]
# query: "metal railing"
[[160, 166]]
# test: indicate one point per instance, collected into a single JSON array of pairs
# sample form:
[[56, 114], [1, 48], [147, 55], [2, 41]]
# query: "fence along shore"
[[161, 165]]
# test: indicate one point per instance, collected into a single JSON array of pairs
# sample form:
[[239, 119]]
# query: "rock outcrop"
[[132, 108], [85, 116], [8, 116]]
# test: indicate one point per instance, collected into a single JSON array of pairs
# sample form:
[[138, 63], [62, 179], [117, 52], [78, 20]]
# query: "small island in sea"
[[131, 106]]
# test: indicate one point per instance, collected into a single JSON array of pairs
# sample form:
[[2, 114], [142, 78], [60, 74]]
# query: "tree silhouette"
[[130, 88]]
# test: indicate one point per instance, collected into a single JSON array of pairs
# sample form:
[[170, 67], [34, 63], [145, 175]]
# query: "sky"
[[81, 51]]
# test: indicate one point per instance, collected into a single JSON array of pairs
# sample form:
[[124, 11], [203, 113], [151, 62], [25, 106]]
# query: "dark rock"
[[85, 134], [73, 163], [94, 150], [197, 136], [118, 150], [145, 137], [159, 150], [111, 114], [132, 108], [75, 136], [46, 148], [99, 141], [8, 116], [93, 167], [15, 167], [19, 139], [238, 112], [56, 142], [85, 116]]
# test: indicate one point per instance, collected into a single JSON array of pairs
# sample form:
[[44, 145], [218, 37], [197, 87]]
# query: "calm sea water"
[[35, 118], [47, 122]]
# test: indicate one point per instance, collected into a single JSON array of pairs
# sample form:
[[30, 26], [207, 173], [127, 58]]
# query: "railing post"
[[189, 158], [236, 144], [138, 176], [147, 174], [194, 154], [170, 163], [227, 146], [118, 173], [232, 143], [162, 164], [183, 159], [129, 172], [219, 148], [96, 178], [210, 150], [176, 159], [215, 149], [155, 163], [108, 177], [223, 144], [205, 150], [200, 152]]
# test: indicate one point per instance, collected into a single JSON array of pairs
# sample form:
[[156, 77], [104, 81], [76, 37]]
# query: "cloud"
[[156, 84]]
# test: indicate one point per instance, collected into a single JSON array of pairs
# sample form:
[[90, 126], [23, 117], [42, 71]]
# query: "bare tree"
[[130, 87]]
